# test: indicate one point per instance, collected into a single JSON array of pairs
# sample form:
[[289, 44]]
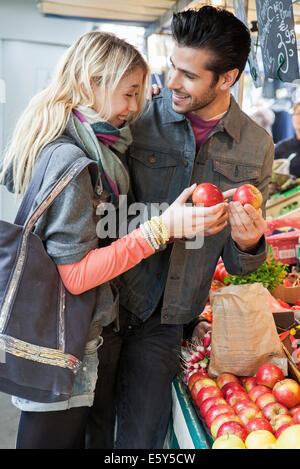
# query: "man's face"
[[193, 86]]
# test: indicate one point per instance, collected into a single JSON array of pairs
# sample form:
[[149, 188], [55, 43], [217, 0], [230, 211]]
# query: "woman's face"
[[124, 98]]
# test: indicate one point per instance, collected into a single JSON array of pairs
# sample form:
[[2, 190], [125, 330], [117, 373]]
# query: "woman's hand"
[[247, 225], [186, 221]]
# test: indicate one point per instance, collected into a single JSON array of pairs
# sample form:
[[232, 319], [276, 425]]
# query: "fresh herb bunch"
[[271, 273]]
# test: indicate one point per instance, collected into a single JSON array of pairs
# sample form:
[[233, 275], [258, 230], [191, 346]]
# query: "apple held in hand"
[[273, 409], [287, 392], [207, 194], [208, 403], [225, 378], [233, 428], [248, 194], [258, 423], [268, 374]]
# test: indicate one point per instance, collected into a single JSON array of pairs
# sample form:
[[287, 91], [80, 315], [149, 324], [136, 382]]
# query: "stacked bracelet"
[[155, 233]]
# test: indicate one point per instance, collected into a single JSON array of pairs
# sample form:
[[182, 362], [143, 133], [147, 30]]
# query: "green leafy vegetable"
[[271, 273]]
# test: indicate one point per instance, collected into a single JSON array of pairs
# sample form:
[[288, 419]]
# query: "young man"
[[193, 132]]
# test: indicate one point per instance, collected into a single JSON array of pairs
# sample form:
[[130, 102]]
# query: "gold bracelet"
[[162, 230]]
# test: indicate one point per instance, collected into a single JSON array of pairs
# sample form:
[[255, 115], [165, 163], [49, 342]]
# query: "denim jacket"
[[162, 162]]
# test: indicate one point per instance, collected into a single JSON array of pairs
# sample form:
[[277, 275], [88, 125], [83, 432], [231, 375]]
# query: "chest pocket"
[[233, 174], [151, 173]]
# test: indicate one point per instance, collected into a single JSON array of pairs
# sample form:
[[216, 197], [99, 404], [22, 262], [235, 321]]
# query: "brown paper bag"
[[244, 334]]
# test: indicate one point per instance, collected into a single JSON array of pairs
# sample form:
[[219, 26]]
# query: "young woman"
[[98, 89]]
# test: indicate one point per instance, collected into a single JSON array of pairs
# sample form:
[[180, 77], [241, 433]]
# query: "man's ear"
[[228, 78]]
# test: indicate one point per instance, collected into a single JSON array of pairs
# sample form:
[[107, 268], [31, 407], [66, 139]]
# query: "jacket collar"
[[231, 122]]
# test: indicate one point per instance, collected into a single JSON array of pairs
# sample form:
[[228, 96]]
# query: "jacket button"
[[152, 159], [165, 315], [185, 163], [186, 126], [158, 276], [140, 309]]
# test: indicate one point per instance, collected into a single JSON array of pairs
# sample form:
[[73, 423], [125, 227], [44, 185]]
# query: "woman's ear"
[[228, 78], [85, 91]]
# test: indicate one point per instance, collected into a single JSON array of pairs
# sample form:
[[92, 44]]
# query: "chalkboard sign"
[[278, 39], [252, 60]]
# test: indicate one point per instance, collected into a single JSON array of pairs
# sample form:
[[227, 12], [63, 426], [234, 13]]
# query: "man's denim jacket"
[[162, 162]]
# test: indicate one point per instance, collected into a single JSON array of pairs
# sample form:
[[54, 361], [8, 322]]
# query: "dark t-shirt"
[[284, 149]]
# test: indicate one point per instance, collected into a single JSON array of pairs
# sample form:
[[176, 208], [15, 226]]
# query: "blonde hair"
[[95, 56]]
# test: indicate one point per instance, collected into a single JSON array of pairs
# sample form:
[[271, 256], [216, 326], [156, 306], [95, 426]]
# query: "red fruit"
[[233, 428], [214, 411], [205, 393], [208, 403], [236, 396], [220, 419], [195, 376], [248, 414], [280, 420], [207, 194], [248, 194], [199, 384], [273, 409], [265, 399], [257, 391], [258, 424], [250, 383], [294, 410], [230, 387], [246, 404], [296, 417], [282, 428], [225, 378], [268, 374], [287, 392]]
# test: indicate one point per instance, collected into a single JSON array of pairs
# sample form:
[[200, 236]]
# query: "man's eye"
[[189, 76]]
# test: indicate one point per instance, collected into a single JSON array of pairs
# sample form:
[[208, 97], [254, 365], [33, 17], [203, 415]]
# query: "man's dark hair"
[[218, 31]]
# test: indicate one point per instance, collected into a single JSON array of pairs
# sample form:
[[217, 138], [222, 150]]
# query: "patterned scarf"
[[100, 138]]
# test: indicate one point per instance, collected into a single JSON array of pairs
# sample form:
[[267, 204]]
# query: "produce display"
[[248, 412]]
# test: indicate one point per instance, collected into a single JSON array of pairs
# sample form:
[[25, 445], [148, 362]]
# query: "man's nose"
[[173, 80]]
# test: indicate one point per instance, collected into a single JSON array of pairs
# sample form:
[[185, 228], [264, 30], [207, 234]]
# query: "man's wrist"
[[248, 250]]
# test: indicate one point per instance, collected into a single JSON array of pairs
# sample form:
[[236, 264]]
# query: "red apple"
[[208, 403], [236, 396], [233, 428], [282, 428], [265, 399], [243, 379], [201, 383], [287, 392], [296, 417], [273, 409], [195, 377], [246, 404], [207, 194], [205, 393], [214, 411], [228, 388], [268, 374], [257, 391], [294, 410], [250, 383], [225, 378], [246, 415], [258, 423], [280, 420], [248, 194], [222, 418]]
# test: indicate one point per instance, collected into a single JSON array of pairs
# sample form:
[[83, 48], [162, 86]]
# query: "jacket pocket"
[[233, 174], [152, 172]]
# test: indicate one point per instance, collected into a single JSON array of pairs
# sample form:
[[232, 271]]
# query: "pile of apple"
[[257, 410]]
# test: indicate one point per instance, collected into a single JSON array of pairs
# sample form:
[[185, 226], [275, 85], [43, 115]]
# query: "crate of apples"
[[251, 412]]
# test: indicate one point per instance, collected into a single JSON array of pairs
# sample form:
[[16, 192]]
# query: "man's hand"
[[247, 225]]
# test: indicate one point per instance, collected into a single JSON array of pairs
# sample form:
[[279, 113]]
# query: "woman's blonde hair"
[[95, 56]]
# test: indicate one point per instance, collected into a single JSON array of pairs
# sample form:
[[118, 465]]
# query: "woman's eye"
[[129, 95]]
